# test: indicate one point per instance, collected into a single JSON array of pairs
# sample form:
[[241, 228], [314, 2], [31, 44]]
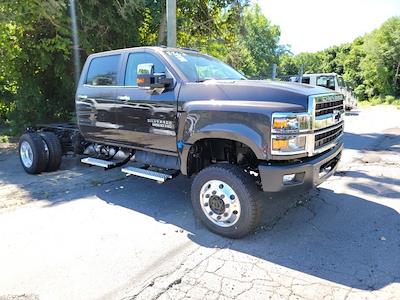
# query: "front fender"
[[230, 131], [248, 127]]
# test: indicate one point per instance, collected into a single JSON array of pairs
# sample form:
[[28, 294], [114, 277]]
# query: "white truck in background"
[[331, 81]]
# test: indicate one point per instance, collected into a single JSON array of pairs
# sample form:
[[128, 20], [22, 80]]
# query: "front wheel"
[[226, 200]]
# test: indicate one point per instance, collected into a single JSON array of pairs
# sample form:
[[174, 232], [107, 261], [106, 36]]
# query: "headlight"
[[288, 144], [290, 122], [286, 129]]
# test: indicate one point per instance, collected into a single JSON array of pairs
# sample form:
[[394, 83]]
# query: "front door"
[[146, 119]]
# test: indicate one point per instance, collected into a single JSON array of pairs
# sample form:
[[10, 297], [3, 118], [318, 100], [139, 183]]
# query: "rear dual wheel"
[[226, 200], [40, 152]]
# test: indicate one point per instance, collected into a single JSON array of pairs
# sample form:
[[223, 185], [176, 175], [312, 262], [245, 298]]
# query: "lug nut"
[[222, 196], [206, 204], [208, 196], [214, 192], [227, 205], [225, 214]]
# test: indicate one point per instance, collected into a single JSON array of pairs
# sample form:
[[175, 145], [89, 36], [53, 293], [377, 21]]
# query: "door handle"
[[124, 98]]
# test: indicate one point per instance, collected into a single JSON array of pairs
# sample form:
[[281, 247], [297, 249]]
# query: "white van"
[[331, 81]]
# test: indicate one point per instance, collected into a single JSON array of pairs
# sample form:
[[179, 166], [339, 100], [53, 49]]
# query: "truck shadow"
[[337, 237], [372, 142], [341, 238]]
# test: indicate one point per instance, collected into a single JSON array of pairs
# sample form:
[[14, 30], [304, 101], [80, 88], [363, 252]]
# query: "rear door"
[[146, 119], [96, 99]]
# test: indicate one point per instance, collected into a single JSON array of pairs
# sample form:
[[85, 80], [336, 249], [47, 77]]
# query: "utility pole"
[[273, 71], [75, 40], [171, 23], [301, 71]]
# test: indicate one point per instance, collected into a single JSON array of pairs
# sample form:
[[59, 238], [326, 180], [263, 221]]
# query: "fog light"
[[288, 144], [289, 178]]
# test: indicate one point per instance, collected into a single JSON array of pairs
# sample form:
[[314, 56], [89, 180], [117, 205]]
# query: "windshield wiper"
[[203, 79]]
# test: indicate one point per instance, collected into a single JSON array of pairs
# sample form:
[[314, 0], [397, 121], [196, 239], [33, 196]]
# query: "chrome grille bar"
[[327, 123]]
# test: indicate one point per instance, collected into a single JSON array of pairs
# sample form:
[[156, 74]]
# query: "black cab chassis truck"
[[177, 111]]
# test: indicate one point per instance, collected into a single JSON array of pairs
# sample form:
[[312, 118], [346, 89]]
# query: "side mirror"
[[147, 79], [143, 69]]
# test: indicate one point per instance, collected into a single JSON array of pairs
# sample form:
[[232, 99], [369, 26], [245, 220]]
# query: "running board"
[[107, 164], [159, 177]]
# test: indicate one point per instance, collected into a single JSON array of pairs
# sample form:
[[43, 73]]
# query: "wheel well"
[[205, 152]]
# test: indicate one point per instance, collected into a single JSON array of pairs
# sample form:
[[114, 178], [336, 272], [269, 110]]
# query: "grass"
[[388, 100], [4, 139]]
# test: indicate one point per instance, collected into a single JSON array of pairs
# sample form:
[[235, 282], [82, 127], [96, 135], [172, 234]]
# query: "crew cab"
[[158, 112]]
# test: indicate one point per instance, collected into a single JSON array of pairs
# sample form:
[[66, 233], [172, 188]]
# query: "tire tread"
[[55, 151], [40, 159]]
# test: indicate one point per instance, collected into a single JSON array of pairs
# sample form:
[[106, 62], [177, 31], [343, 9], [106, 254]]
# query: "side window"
[[341, 81], [134, 60], [305, 80], [326, 81], [103, 70]]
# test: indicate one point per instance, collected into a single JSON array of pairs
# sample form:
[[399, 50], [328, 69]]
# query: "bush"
[[390, 99], [5, 110]]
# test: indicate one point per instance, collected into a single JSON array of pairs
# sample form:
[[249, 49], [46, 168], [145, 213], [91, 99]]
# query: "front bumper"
[[307, 174]]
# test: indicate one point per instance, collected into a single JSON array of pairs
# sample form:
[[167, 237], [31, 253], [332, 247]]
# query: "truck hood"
[[251, 90]]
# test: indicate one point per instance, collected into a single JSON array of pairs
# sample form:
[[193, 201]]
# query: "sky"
[[313, 25]]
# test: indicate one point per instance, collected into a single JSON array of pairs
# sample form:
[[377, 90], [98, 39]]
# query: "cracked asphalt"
[[83, 233]]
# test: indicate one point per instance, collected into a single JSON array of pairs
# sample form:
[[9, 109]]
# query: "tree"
[[36, 77], [262, 40], [381, 64]]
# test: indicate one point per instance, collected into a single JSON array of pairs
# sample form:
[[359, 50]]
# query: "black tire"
[[54, 149], [245, 188], [39, 155]]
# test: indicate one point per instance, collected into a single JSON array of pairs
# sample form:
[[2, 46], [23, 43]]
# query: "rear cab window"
[[103, 70]]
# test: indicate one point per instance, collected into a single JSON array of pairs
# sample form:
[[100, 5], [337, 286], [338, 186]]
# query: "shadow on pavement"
[[337, 237], [372, 142]]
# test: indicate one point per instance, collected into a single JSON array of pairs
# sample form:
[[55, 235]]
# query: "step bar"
[[98, 162], [159, 177]]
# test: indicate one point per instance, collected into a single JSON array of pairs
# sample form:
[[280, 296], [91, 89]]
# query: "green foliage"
[[36, 68], [262, 40], [37, 62], [370, 65], [381, 65]]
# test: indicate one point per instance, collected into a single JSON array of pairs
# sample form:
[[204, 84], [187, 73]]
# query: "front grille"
[[327, 136], [324, 108]]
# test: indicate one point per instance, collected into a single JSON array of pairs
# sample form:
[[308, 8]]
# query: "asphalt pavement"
[[85, 233]]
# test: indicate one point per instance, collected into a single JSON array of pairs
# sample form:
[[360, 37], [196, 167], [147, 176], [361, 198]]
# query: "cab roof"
[[320, 74], [154, 48]]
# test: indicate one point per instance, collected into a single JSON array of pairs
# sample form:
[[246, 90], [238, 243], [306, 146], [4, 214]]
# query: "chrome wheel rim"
[[220, 203], [26, 154]]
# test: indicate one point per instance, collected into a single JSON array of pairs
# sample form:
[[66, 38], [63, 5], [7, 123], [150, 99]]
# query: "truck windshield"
[[198, 67]]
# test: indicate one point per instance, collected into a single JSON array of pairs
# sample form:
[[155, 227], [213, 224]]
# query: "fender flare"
[[232, 131]]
